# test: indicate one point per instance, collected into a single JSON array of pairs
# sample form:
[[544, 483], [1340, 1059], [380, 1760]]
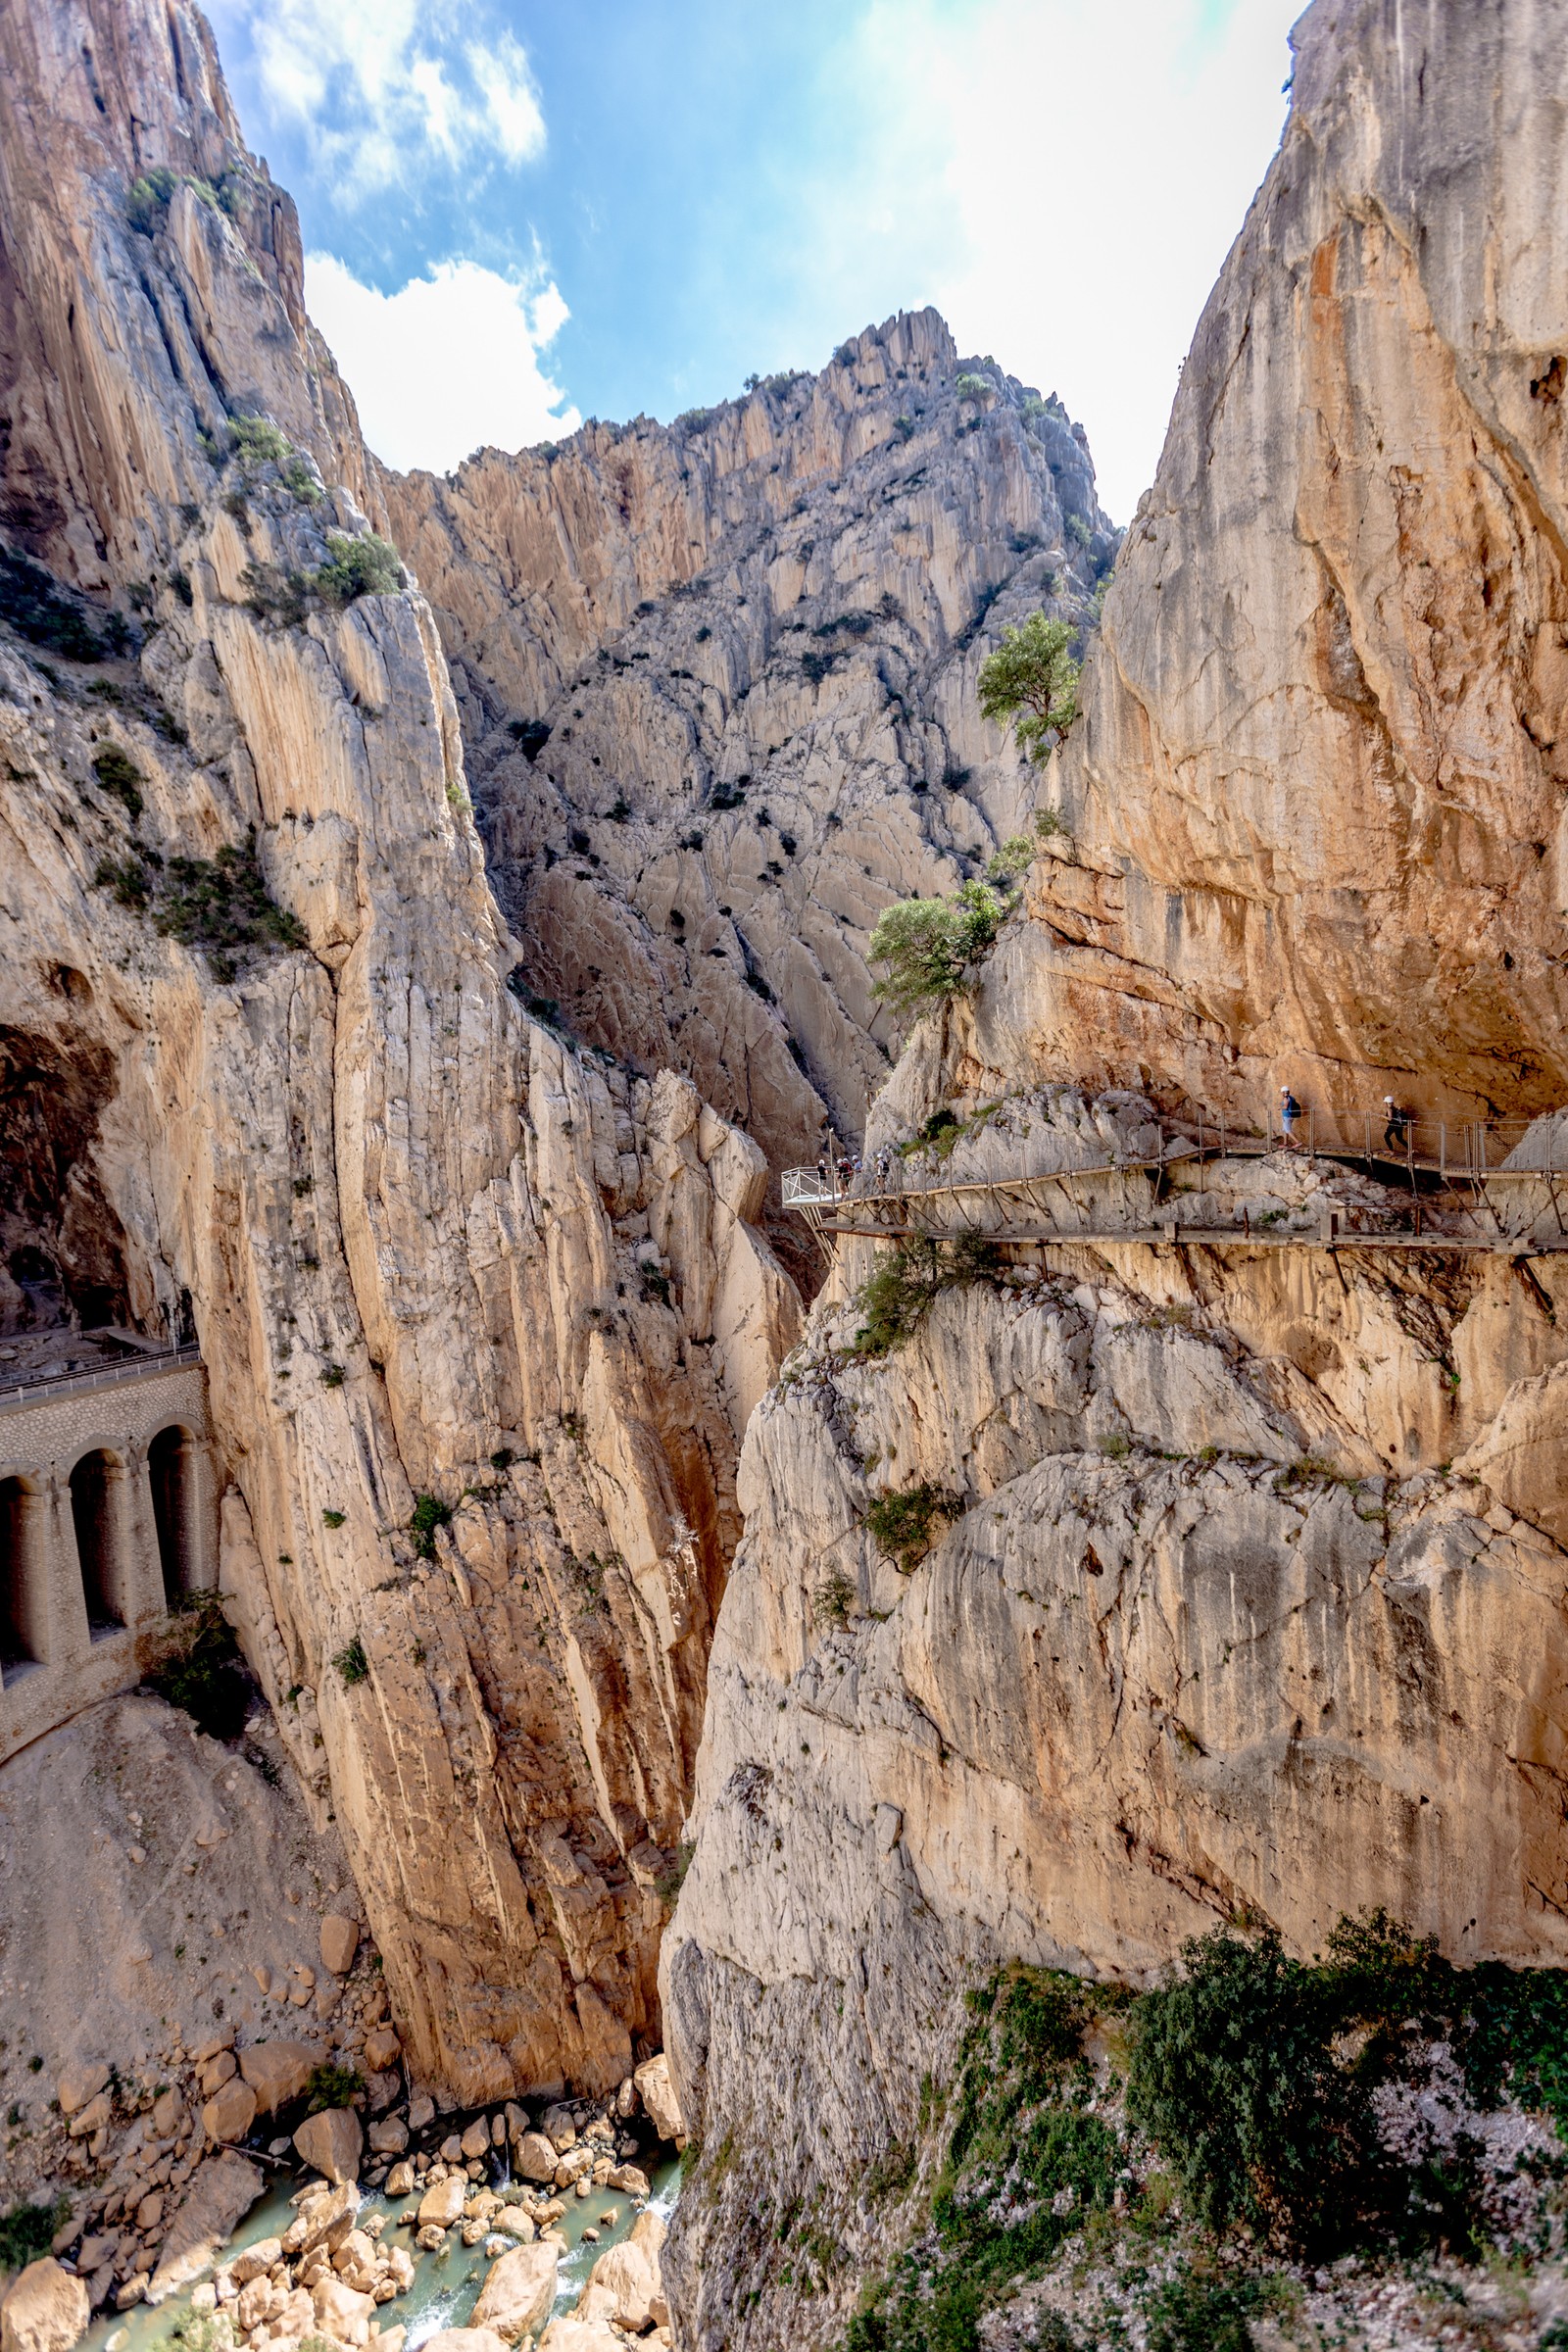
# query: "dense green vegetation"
[[1237, 2131], [905, 1523], [927, 946], [120, 777], [193, 1663], [1030, 683], [367, 566], [27, 2232], [221, 905], [895, 1297], [331, 2086], [430, 1513]]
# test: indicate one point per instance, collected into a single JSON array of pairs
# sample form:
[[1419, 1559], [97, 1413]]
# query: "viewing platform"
[[108, 1515]]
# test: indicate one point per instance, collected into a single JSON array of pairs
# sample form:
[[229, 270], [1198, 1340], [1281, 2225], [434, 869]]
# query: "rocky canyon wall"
[[718, 687], [1241, 1582], [483, 1315], [1316, 799]]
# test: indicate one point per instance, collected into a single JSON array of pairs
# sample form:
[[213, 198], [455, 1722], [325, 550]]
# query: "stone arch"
[[24, 1598], [96, 1496], [172, 1472]]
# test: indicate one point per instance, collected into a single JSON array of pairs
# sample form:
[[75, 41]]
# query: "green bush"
[[976, 387], [331, 2086], [274, 594], [905, 1525], [127, 879], [367, 566], [34, 602], [222, 905], [119, 775], [352, 1663], [670, 1881], [258, 441], [833, 1599], [192, 1661], [1231, 2076], [428, 1514], [1030, 683], [926, 946], [907, 1277], [148, 198], [27, 2232], [1197, 2312]]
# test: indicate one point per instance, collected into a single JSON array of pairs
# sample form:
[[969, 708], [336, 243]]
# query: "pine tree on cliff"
[[1030, 683]]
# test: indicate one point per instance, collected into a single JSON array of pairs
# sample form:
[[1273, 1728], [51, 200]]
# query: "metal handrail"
[[1468, 1152], [59, 1383]]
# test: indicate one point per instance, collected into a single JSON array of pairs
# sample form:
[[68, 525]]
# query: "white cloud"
[[1063, 180], [380, 90], [450, 361]]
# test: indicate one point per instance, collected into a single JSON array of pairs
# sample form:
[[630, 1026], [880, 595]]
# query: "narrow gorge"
[[606, 1544]]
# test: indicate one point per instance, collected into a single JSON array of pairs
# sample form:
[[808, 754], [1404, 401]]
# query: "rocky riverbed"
[[493, 2228]]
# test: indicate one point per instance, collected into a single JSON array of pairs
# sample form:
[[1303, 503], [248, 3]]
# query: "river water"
[[446, 2285]]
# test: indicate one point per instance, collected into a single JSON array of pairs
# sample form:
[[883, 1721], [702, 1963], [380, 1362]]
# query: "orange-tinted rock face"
[[1313, 816], [1317, 794], [430, 1249]]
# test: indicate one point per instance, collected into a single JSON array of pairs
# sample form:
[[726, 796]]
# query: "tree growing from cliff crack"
[[1030, 683], [927, 946]]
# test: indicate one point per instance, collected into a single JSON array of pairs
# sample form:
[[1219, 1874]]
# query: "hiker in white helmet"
[[1290, 1112]]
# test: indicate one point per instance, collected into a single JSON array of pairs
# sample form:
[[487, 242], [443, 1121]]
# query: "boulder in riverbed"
[[516, 2298], [332, 2142], [45, 2310], [221, 2191]]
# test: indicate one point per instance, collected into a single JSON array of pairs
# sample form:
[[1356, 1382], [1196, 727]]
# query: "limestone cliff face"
[[1246, 1580], [429, 1248], [1317, 795], [717, 682]]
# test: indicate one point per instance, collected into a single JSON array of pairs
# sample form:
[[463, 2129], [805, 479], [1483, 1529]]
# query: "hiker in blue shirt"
[[1290, 1112]]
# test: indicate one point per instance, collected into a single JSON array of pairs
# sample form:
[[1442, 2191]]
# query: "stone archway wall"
[[41, 1444]]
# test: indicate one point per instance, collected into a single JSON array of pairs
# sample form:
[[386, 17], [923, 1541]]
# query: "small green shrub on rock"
[[895, 1297], [352, 1663], [905, 1525], [430, 1513], [367, 566], [222, 905], [833, 1599], [329, 2087], [127, 880], [119, 775]]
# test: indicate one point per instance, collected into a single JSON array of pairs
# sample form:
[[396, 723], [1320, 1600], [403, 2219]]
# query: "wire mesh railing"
[[47, 1386], [1468, 1156]]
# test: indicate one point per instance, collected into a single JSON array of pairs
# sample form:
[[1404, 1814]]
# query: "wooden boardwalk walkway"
[[1463, 1162]]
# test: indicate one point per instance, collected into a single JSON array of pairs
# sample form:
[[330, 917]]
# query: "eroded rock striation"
[[1225, 1579], [482, 1315], [718, 686], [1316, 798]]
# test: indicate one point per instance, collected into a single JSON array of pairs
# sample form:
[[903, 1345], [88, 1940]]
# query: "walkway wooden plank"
[[1215, 1237]]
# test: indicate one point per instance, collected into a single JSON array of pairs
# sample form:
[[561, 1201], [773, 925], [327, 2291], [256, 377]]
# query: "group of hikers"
[[842, 1169], [1396, 1134]]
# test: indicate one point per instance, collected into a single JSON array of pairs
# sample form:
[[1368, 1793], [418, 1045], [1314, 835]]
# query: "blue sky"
[[520, 213]]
